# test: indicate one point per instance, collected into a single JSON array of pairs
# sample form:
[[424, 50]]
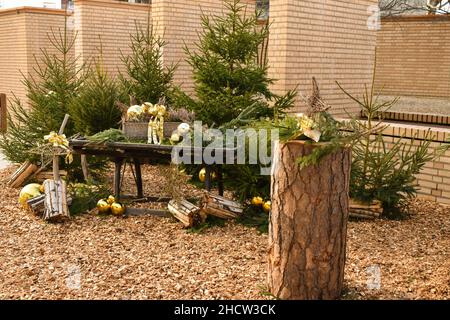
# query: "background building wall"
[[330, 40], [23, 33], [179, 21], [107, 24], [412, 56], [13, 52]]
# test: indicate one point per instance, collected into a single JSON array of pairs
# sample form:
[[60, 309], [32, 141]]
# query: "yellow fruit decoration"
[[118, 209], [103, 206], [257, 201], [202, 175], [28, 192], [267, 206], [111, 200]]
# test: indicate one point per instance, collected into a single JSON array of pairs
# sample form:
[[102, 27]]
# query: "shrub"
[[382, 172], [95, 108]]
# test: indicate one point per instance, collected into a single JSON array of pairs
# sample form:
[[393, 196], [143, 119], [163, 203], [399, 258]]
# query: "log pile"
[[22, 174], [56, 206], [365, 211], [191, 215], [187, 213], [221, 207], [37, 205]]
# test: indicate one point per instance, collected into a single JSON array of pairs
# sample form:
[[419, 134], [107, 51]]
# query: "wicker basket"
[[139, 130]]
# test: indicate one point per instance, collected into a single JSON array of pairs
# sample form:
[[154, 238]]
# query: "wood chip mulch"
[[146, 257]]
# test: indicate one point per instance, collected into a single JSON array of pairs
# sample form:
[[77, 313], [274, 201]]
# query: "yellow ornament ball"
[[28, 192], [118, 209], [267, 206], [103, 206], [202, 175], [111, 200], [257, 201]]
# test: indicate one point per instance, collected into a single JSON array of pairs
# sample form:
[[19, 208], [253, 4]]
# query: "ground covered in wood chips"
[[146, 257]]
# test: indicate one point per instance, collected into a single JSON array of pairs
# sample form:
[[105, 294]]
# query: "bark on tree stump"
[[308, 224]]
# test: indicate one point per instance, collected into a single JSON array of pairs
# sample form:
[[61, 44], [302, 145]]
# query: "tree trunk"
[[308, 224]]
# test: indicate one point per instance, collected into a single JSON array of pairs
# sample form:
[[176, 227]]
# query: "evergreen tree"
[[232, 86], [228, 77], [50, 89], [146, 79], [95, 108]]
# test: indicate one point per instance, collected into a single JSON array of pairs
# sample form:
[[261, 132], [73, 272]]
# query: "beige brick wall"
[[181, 21], [326, 39], [434, 180], [108, 23], [23, 33], [13, 52], [412, 56]]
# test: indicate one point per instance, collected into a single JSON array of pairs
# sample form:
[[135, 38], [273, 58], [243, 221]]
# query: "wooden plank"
[[22, 174], [3, 112]]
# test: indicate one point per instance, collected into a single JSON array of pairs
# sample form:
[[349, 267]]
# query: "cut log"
[[187, 213], [221, 207], [308, 223], [365, 211], [37, 205], [22, 174], [56, 206]]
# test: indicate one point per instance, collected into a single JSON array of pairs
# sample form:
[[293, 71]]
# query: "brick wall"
[[412, 56], [181, 21], [13, 52], [434, 179], [326, 39], [108, 23], [23, 33]]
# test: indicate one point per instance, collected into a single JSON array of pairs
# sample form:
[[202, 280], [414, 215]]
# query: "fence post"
[[3, 112]]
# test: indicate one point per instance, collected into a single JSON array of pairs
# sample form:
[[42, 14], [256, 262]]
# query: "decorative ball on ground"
[[28, 192], [257, 201], [103, 206], [202, 175], [183, 129], [267, 206], [111, 200], [118, 209]]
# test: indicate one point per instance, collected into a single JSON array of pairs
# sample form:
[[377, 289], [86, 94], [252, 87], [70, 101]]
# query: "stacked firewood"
[[365, 211], [191, 215]]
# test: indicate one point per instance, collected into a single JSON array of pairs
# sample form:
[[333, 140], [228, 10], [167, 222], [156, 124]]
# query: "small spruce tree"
[[95, 108], [232, 86], [146, 78], [228, 78]]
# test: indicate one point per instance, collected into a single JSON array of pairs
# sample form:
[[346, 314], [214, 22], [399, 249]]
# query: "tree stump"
[[308, 224]]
